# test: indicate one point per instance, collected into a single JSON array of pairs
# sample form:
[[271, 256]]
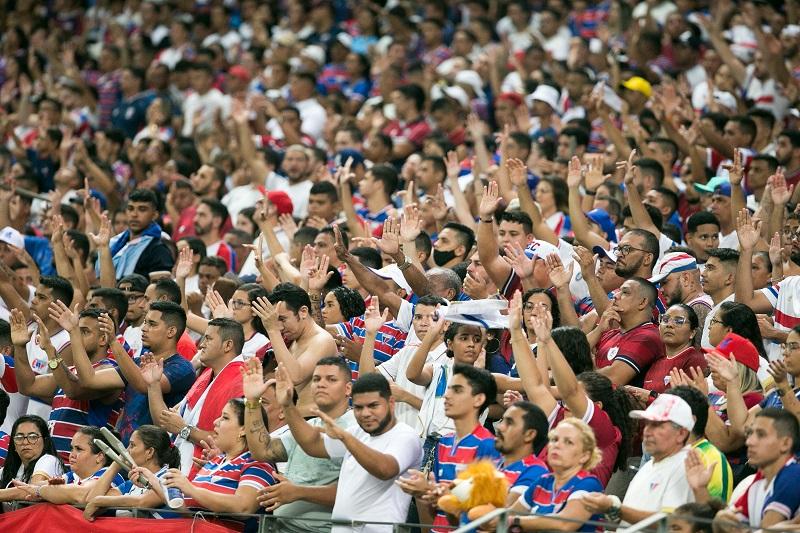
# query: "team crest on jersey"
[[612, 353]]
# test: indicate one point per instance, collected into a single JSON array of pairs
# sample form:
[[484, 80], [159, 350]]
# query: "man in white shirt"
[[302, 91], [202, 105], [660, 485], [374, 453]]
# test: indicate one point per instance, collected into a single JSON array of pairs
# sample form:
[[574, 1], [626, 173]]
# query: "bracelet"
[[252, 405], [490, 221], [590, 193]]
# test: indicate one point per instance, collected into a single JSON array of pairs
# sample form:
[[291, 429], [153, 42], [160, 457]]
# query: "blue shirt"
[[542, 499], [180, 374]]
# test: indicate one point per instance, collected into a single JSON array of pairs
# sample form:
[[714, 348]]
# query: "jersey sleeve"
[[638, 352], [257, 475], [528, 478], [785, 498], [585, 486]]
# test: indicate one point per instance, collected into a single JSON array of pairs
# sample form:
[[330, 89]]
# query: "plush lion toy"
[[479, 489]]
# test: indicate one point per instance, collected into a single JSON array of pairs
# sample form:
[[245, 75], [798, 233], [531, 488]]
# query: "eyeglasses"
[[791, 234], [625, 249], [790, 346], [678, 320], [134, 297], [715, 321], [32, 438], [239, 304]]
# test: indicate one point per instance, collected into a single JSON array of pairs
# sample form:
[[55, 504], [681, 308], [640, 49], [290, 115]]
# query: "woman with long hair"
[[87, 464], [590, 396], [552, 196], [572, 453], [32, 457], [152, 450], [228, 483]]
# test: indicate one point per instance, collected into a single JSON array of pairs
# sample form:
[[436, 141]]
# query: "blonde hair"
[[748, 378], [587, 439]]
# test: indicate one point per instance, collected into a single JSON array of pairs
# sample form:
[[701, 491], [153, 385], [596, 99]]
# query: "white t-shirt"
[[47, 464], [313, 116], [395, 369], [240, 198], [363, 497], [731, 240], [660, 486], [207, 105], [38, 361]]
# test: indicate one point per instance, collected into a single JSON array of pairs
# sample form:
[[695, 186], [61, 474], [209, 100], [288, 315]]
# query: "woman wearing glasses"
[[678, 328], [32, 457]]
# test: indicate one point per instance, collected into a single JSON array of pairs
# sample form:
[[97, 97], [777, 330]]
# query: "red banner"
[[48, 518]]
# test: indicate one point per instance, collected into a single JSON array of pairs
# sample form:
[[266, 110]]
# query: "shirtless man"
[[298, 342]]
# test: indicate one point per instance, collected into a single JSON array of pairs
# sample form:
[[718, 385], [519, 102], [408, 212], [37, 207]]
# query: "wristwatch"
[[53, 363], [184, 434], [405, 264], [613, 512]]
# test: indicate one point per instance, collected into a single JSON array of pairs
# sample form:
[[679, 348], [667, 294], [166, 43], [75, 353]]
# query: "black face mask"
[[442, 258]]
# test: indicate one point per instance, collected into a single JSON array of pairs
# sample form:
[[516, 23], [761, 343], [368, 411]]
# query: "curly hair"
[[350, 302]]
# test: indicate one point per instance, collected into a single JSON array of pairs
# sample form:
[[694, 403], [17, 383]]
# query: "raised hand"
[[542, 322], [43, 336], [219, 309], [517, 172], [594, 172], [574, 172], [630, 169], [778, 371], [474, 288], [438, 205], [288, 224], [308, 261], [735, 170], [697, 473], [106, 326], [319, 275], [410, 223], [253, 384], [151, 368], [725, 368], [389, 242], [781, 192], [61, 314], [102, 238], [185, 264], [267, 312], [559, 275], [341, 250], [516, 258], [510, 397], [490, 200], [453, 166], [373, 319], [20, 335], [515, 312], [747, 229]]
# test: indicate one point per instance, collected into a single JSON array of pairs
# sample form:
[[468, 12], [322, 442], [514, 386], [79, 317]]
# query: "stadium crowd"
[[315, 258]]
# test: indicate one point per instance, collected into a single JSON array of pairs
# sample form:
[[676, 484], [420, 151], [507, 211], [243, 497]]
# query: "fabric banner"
[[49, 518]]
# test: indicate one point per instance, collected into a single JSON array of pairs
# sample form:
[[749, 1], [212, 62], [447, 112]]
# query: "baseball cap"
[[716, 185], [602, 219], [137, 282], [341, 158], [672, 263], [667, 408], [547, 94], [238, 71], [392, 272], [314, 53], [726, 99], [11, 236], [286, 39], [608, 254], [639, 85], [473, 79], [344, 39], [281, 201], [741, 349], [540, 249]]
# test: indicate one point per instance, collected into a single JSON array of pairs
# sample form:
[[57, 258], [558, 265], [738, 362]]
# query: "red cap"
[[281, 201], [514, 98], [741, 349], [238, 71]]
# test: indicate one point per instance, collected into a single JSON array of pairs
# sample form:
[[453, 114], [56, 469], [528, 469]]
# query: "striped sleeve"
[[257, 475]]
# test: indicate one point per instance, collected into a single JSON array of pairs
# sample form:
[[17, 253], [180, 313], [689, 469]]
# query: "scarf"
[[125, 253]]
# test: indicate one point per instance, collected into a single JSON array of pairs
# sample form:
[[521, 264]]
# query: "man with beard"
[[309, 488], [787, 152], [374, 453], [519, 436], [679, 280], [208, 221], [627, 340], [453, 245], [295, 166]]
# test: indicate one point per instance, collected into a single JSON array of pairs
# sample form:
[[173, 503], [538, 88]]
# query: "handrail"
[[501, 513], [657, 518]]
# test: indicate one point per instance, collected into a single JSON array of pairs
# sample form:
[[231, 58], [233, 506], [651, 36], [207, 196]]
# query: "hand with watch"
[[43, 340]]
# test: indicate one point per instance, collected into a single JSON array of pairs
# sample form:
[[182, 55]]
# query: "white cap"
[[455, 92], [314, 53], [344, 39], [473, 79], [726, 99], [11, 236], [547, 94], [673, 263], [540, 249], [392, 272], [668, 408]]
